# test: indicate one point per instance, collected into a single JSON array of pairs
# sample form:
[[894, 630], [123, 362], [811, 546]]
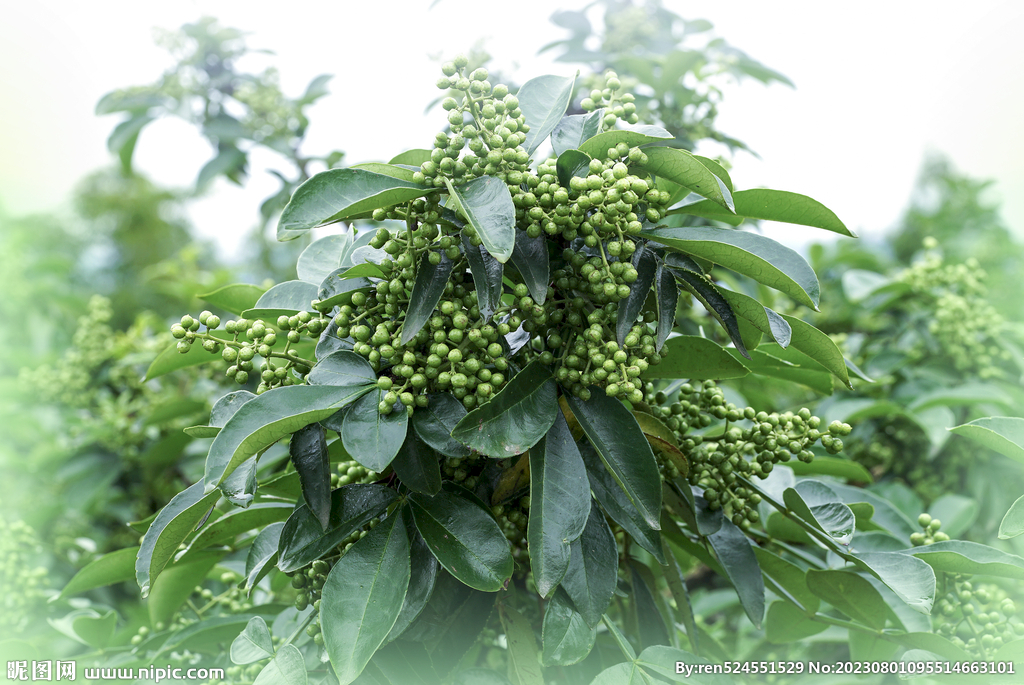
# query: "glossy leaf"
[[819, 505], [303, 540], [718, 170], [464, 537], [423, 576], [254, 643], [962, 556], [343, 369], [226, 528], [171, 360], [851, 594], [641, 134], [773, 205], [417, 466], [750, 254], [288, 667], [322, 257], [114, 567], [668, 299], [338, 287], [1004, 434], [679, 166], [487, 205], [571, 163], [649, 620], [911, 579], [819, 347], [559, 504], [646, 266], [426, 293], [764, 319], [543, 101], [399, 172], [266, 419], [308, 452], [708, 295], [1012, 524], [338, 194], [356, 617], [677, 586], [234, 298], [956, 512], [693, 357], [329, 342], [515, 418], [737, 559], [530, 258], [290, 296], [262, 555], [593, 568], [662, 440], [620, 443], [836, 467], [523, 656], [487, 273], [785, 622], [435, 422], [373, 439], [170, 528], [566, 638], [575, 129]]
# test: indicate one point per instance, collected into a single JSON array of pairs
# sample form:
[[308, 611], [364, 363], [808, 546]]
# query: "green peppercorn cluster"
[[977, 618], [930, 533], [513, 517], [351, 471], [25, 582], [617, 106], [748, 444], [464, 470]]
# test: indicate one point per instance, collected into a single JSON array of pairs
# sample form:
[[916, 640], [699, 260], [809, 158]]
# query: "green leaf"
[[559, 504], [662, 660], [571, 163], [708, 294], [819, 347], [339, 287], [423, 577], [956, 512], [737, 559], [87, 626], [303, 540], [668, 299], [343, 369], [515, 418], [123, 138], [593, 567], [417, 466], [287, 668], [625, 673], [363, 596], [323, 257], [1004, 434], [620, 639], [679, 166], [225, 529], [851, 594], [426, 293], [273, 415], [651, 628], [338, 194], [487, 205], [406, 662], [617, 504], [523, 657], [760, 258], [626, 454], [789, 579], [116, 567], [234, 298], [911, 579], [373, 439], [763, 318], [693, 357], [262, 555], [819, 505], [487, 274], [1012, 524], [677, 586], [566, 638], [464, 538], [786, 622], [575, 129], [480, 676], [646, 266], [772, 205], [228, 163], [597, 146], [717, 169], [290, 296], [391, 170], [435, 422], [254, 643], [171, 360], [414, 157], [170, 528], [836, 467], [530, 258], [308, 452], [961, 556], [543, 100], [177, 582]]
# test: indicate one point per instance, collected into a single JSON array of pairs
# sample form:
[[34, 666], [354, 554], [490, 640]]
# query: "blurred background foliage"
[[932, 313]]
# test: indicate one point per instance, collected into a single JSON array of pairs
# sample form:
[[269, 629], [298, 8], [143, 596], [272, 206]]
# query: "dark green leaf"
[[115, 567], [819, 505], [763, 318], [338, 194], [646, 266], [788, 577], [288, 667], [565, 637], [1004, 434], [363, 597], [435, 422], [632, 136], [962, 556], [737, 558], [668, 298], [338, 288], [690, 356], [329, 342], [763, 364], [651, 627], [487, 273], [1012, 524], [709, 296], [785, 622], [322, 257], [254, 643], [262, 555], [760, 258], [851, 593], [530, 257], [515, 418], [290, 296], [273, 415], [225, 529], [406, 662], [571, 163], [373, 439], [343, 369], [170, 528], [421, 581], [593, 568], [575, 129], [308, 452], [543, 101], [677, 586], [523, 656], [417, 466], [819, 347], [426, 293], [679, 166], [303, 540], [615, 502], [773, 205], [235, 298], [559, 504], [464, 538], [662, 660], [487, 205]]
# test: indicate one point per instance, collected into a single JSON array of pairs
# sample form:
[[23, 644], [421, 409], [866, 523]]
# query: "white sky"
[[877, 87]]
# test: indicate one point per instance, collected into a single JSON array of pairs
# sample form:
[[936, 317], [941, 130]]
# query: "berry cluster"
[[18, 547], [930, 533], [978, 619]]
